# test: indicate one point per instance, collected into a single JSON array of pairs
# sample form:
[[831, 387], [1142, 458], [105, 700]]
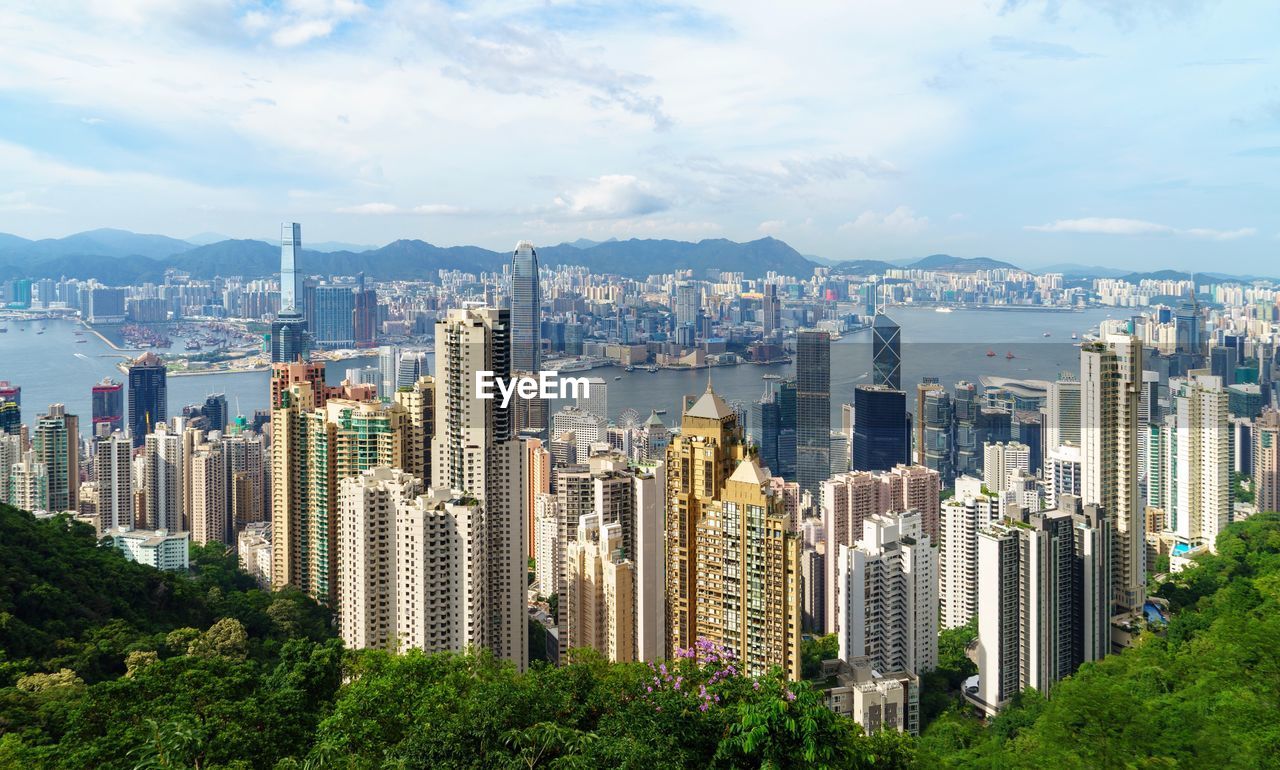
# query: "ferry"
[[1075, 336], [1047, 334], [942, 310]]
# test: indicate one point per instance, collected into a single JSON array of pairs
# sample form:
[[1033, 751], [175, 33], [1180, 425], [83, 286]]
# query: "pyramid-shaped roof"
[[751, 472]]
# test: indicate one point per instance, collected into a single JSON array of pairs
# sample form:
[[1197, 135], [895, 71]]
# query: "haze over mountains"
[[123, 257]]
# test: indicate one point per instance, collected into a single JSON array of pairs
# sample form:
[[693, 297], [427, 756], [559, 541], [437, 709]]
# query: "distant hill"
[[102, 243], [959, 264], [863, 267], [638, 258]]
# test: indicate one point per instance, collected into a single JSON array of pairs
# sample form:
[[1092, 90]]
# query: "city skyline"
[[942, 137]]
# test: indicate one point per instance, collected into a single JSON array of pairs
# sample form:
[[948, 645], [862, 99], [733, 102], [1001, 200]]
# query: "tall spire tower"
[[526, 310], [289, 340]]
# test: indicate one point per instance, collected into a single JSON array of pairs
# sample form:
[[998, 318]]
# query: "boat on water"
[[81, 342], [618, 377], [630, 368], [1075, 336], [1009, 354], [1047, 334], [39, 331], [942, 310], [653, 369], [991, 354]]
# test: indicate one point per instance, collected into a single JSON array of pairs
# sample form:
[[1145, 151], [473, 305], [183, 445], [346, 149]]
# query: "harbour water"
[[54, 368]]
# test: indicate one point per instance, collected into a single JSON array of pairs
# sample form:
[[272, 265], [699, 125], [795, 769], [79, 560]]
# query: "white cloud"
[[771, 226], [613, 196], [1122, 226], [379, 208], [92, 121], [902, 220]]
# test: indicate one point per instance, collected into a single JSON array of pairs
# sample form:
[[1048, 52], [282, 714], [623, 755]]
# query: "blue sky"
[[1116, 132]]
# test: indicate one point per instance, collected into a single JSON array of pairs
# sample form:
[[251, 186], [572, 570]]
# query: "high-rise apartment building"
[[813, 409], [1062, 413], [476, 453], [29, 484], [113, 478], [56, 441], [1266, 461], [962, 517], [887, 590], [526, 310], [419, 401], [148, 396], [1110, 378], [1044, 598], [367, 565], [1003, 462], [246, 463], [209, 494], [599, 603], [700, 460], [162, 480], [1189, 461]]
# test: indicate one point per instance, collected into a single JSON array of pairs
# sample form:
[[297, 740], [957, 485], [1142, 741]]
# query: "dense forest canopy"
[[109, 664]]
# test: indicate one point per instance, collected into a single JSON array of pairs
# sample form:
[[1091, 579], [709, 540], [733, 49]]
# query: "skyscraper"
[[1043, 599], [364, 314], [412, 365], [162, 479], [526, 310], [108, 406], [770, 312], [887, 590], [1062, 413], [215, 412], [388, 370], [881, 430], [1189, 455], [208, 494], [333, 324], [476, 453], [813, 410], [289, 338], [113, 476], [1110, 380], [148, 396], [599, 604], [937, 433], [886, 352], [56, 441], [700, 460], [968, 446]]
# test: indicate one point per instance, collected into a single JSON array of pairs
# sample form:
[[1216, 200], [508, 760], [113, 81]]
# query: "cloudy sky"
[[1118, 132]]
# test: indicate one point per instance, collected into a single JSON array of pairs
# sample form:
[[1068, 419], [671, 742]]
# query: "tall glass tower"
[[526, 310], [813, 410], [289, 340], [886, 352]]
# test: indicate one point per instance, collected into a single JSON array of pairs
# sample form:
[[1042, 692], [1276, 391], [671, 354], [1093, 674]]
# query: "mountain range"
[[123, 257]]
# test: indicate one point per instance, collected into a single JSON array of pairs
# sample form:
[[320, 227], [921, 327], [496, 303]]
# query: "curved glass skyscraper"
[[526, 307]]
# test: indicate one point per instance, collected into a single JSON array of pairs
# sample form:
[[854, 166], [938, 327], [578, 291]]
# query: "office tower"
[[526, 310], [771, 426], [367, 569], [364, 314], [926, 386], [1062, 474], [747, 568], [162, 479], [881, 430], [887, 590], [688, 304], [419, 401], [654, 439], [1266, 461], [1189, 329], [29, 484], [10, 416], [56, 442], [594, 398], [588, 428], [886, 352], [1241, 430], [1062, 413], [113, 477], [246, 471], [700, 460], [148, 396], [1110, 376], [209, 494], [290, 339], [1044, 599], [813, 410], [476, 452], [1190, 449], [937, 421], [413, 365], [333, 324], [770, 313], [1002, 462], [388, 370], [968, 446], [215, 412], [599, 605], [108, 407]]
